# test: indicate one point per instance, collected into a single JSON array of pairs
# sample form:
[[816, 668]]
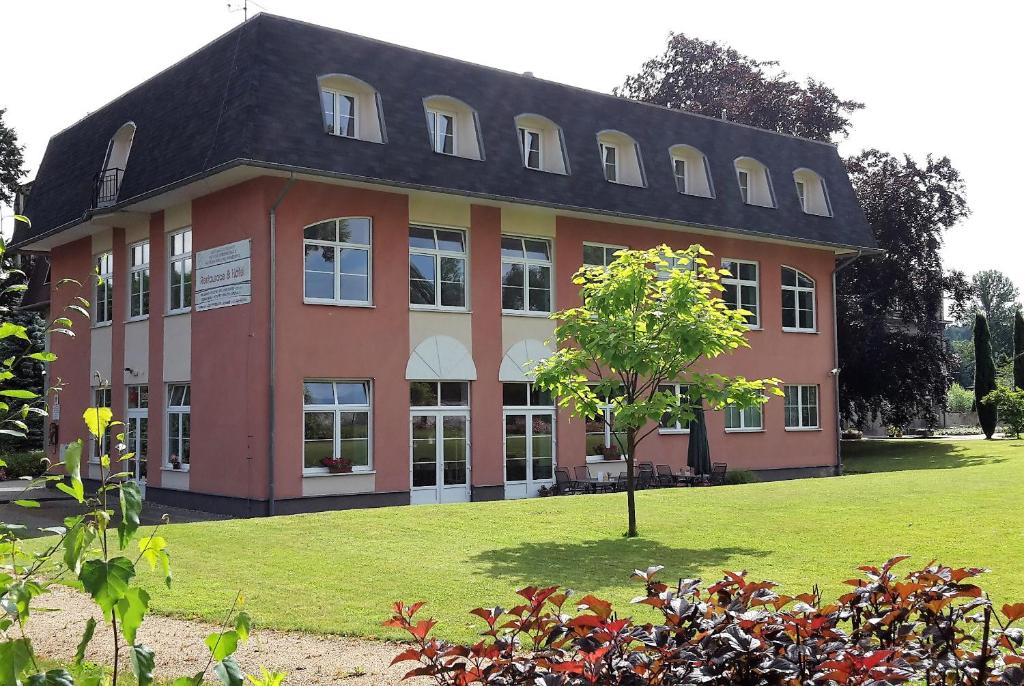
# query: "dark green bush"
[[740, 476], [20, 465]]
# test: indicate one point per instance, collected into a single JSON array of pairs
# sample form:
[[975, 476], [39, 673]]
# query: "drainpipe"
[[272, 385], [840, 266]]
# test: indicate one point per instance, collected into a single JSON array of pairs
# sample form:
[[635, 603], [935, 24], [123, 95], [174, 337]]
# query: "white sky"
[[936, 77]]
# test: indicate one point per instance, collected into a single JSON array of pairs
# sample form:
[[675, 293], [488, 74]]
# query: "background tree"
[[637, 330], [984, 375], [1018, 350], [12, 161], [707, 78], [896, 364], [997, 297]]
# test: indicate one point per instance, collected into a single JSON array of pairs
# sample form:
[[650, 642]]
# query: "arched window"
[[108, 181], [351, 108], [620, 158], [453, 127], [337, 255], [754, 182], [690, 169], [811, 190], [541, 144], [798, 306]]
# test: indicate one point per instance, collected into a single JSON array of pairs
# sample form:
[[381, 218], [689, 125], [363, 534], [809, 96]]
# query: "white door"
[[137, 436], [529, 452], [440, 456]]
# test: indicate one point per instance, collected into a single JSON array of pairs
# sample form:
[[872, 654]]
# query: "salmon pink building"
[[320, 252]]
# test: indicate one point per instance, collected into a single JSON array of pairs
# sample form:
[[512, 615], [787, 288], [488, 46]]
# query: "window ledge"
[[183, 469], [754, 328], [101, 325], [338, 303], [177, 313], [141, 318], [673, 432], [544, 171], [798, 429], [601, 460], [790, 330], [745, 431], [434, 308], [317, 475], [517, 313]]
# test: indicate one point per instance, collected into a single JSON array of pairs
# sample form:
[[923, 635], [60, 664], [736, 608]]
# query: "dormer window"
[[620, 158], [812, 193], [690, 169], [350, 108], [541, 144], [108, 180], [754, 183], [453, 127]]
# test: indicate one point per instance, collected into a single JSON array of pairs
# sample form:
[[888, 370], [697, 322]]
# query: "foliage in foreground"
[[931, 626]]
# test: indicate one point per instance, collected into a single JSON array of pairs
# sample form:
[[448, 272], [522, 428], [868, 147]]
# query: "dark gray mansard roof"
[[251, 97]]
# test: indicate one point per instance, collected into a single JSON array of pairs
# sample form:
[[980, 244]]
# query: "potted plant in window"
[[612, 452], [337, 465], [175, 462]]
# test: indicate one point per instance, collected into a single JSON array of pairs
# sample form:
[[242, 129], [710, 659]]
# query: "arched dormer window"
[[811, 190], [541, 144], [351, 108], [690, 169], [453, 127], [755, 184], [108, 181], [620, 158], [798, 307]]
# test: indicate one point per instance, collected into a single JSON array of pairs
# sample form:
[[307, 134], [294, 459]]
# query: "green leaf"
[[8, 329], [26, 503], [243, 624], [97, 419], [143, 662], [152, 549], [107, 582], [76, 541], [19, 393], [131, 507], [73, 467], [43, 356], [186, 681], [229, 672], [222, 645], [267, 678], [90, 629], [55, 677], [15, 656], [130, 610]]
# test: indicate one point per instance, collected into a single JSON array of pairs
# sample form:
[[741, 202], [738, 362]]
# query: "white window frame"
[[180, 410], [732, 411], [338, 246], [338, 409], [801, 193], [743, 180], [141, 271], [677, 389], [529, 410], [735, 280], [801, 404], [337, 95], [604, 147], [609, 252], [101, 397], [681, 184], [608, 412], [104, 289], [185, 258], [673, 263], [526, 263], [437, 254], [436, 143], [524, 136], [797, 290]]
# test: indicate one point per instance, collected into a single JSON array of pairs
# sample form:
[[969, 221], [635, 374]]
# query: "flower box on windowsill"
[[337, 465]]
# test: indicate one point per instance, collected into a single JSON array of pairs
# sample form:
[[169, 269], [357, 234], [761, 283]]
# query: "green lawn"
[[339, 571]]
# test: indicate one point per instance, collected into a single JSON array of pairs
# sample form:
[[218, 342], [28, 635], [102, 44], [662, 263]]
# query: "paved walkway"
[[179, 648]]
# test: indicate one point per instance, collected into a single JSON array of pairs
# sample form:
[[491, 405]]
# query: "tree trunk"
[[631, 532]]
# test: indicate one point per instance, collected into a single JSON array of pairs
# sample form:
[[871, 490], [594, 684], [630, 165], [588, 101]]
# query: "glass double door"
[[137, 440], [529, 452], [440, 456]]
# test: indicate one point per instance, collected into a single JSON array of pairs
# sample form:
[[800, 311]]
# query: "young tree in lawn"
[[1018, 350], [647, 319], [984, 375]]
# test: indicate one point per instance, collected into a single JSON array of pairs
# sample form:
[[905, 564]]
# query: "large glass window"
[[180, 271], [337, 258], [525, 274], [437, 267], [529, 432], [599, 255], [336, 416], [179, 425], [101, 446], [801, 407], [138, 279], [530, 141], [442, 131], [602, 435], [748, 419], [340, 110], [103, 304], [797, 301], [439, 394], [741, 289], [668, 423]]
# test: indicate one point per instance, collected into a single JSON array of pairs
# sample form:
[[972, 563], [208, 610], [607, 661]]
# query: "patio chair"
[[582, 475], [664, 475], [564, 485], [717, 477], [620, 481], [645, 478]]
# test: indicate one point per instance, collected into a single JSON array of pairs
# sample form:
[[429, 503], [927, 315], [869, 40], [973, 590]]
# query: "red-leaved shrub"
[[930, 626]]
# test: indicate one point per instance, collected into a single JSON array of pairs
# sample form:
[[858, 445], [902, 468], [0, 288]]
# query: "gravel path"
[[178, 644]]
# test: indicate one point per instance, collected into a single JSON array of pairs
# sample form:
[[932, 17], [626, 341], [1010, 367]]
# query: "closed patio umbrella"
[[698, 454]]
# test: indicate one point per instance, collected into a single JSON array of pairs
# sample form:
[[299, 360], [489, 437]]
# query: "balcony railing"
[[108, 183]]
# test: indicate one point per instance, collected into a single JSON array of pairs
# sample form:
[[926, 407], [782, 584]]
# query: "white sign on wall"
[[224, 276]]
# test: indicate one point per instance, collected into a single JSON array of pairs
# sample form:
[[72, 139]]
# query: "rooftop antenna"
[[244, 9]]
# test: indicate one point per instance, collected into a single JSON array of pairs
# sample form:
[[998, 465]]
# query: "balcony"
[[108, 183]]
